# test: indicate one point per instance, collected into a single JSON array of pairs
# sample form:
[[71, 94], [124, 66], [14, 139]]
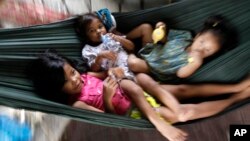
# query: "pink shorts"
[[121, 102]]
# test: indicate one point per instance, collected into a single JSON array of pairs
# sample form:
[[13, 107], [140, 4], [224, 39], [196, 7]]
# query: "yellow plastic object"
[[190, 60], [151, 100], [136, 114], [158, 34]]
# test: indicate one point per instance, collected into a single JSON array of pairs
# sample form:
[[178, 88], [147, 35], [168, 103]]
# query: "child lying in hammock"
[[94, 55], [179, 55], [56, 78], [215, 33], [103, 50]]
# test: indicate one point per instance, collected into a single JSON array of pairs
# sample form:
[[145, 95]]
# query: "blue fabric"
[[106, 17], [165, 60], [11, 130]]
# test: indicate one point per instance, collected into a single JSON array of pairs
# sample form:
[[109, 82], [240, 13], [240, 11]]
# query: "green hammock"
[[19, 46]]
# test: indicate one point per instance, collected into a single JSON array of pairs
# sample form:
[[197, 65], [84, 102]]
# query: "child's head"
[[91, 27], [73, 83], [55, 77], [212, 38]]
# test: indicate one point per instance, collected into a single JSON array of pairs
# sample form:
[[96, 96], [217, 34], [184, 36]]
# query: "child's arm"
[[82, 105], [127, 44], [118, 72], [194, 62], [96, 66], [101, 75], [109, 89]]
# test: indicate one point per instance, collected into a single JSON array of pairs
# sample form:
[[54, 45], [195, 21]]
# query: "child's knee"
[[130, 86], [135, 91], [146, 27], [133, 63], [146, 81], [140, 77]]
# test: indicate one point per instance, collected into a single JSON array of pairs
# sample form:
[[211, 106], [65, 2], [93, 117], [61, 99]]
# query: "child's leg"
[[205, 90], [143, 31], [166, 98], [137, 65], [210, 108], [136, 94], [154, 89], [167, 114]]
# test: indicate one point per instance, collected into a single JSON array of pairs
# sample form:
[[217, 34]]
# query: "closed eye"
[[73, 71]]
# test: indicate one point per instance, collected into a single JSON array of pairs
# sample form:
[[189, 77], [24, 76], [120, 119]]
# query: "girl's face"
[[73, 83], [95, 30], [206, 43]]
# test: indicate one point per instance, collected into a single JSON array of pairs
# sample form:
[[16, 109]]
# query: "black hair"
[[83, 22], [218, 26], [47, 75], [226, 33]]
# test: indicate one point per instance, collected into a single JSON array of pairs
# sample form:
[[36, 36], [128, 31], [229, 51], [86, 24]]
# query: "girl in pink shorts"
[[58, 79]]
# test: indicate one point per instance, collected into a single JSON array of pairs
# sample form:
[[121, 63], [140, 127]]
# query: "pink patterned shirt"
[[92, 94]]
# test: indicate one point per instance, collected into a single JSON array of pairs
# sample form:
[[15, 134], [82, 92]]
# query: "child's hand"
[[126, 44], [115, 37], [108, 55], [158, 24], [109, 87], [117, 72]]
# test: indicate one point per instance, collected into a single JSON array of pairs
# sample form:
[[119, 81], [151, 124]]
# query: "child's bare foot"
[[209, 108], [243, 85], [170, 132], [242, 95]]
